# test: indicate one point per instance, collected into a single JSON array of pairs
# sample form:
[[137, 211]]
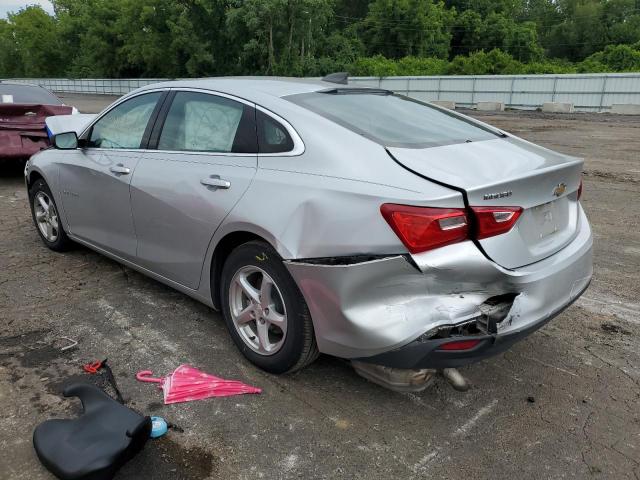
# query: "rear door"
[[95, 180], [204, 158]]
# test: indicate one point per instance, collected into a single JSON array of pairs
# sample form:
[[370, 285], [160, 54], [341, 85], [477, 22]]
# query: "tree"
[[171, 38], [191, 38], [496, 62], [10, 65], [622, 20], [468, 33], [282, 32], [591, 25], [398, 28], [614, 58], [351, 10], [511, 8], [88, 32], [31, 38]]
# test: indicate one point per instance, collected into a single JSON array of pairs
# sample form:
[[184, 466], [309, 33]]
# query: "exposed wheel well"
[[220, 254], [34, 177]]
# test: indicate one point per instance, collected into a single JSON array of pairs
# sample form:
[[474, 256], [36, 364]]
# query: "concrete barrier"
[[557, 107], [490, 106], [625, 109], [444, 104]]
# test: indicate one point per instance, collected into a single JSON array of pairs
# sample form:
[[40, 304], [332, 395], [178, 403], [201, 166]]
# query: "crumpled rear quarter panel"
[[367, 308]]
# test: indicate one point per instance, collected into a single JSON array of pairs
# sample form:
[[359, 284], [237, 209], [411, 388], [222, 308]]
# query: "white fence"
[[587, 92], [94, 86]]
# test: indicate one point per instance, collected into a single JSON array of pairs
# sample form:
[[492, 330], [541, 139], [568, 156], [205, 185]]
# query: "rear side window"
[[208, 123], [272, 135], [30, 94], [391, 120]]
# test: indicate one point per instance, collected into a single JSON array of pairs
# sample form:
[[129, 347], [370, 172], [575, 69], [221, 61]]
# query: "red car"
[[23, 110]]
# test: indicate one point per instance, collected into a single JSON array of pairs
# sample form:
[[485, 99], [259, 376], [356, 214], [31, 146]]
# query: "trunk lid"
[[22, 128], [509, 172]]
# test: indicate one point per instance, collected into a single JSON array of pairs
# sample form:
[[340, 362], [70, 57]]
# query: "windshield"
[[391, 120], [15, 93]]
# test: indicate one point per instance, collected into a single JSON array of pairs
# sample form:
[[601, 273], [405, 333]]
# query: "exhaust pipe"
[[455, 379], [396, 379], [407, 380]]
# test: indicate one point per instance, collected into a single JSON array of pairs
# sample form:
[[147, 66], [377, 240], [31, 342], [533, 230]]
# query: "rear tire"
[[46, 217], [264, 310]]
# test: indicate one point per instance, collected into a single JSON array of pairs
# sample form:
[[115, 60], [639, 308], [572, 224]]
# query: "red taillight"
[[459, 345], [426, 228], [580, 190], [492, 221]]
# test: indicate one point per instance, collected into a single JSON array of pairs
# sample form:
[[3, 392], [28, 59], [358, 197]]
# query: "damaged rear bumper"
[[398, 310], [427, 354]]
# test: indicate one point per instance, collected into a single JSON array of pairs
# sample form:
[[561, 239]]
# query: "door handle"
[[215, 181], [120, 169]]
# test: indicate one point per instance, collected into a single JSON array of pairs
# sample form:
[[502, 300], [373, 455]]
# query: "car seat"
[[96, 444]]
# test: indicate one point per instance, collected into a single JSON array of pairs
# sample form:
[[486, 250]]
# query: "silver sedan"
[[321, 217]]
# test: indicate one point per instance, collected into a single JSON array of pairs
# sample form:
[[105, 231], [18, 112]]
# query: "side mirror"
[[65, 141]]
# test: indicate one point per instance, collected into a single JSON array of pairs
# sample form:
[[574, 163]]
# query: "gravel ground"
[[563, 403]]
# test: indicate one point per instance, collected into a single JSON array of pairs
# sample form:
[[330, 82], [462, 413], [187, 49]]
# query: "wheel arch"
[[33, 177], [222, 250]]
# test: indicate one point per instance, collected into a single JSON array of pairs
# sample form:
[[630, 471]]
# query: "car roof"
[[251, 88]]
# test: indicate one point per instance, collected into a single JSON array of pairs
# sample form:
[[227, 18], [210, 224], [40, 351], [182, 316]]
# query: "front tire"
[[46, 218], [265, 312]]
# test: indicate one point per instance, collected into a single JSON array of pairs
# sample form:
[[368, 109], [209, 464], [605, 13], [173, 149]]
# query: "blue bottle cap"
[[158, 427]]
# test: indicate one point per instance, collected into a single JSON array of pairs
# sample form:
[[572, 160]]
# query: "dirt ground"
[[564, 403]]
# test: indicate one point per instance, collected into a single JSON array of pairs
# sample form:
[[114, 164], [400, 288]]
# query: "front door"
[[95, 180]]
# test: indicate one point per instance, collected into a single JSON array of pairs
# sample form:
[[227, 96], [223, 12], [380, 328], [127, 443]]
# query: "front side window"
[[391, 120], [124, 126], [203, 122]]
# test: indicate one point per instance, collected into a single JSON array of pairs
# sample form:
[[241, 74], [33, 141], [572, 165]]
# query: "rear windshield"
[[13, 93], [391, 120]]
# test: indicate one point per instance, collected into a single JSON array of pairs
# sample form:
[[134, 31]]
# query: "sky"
[[15, 5]]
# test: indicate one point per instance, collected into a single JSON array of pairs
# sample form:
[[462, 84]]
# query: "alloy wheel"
[[257, 310], [46, 216]]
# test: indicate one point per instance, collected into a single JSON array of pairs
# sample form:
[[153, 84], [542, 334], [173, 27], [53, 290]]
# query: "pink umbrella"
[[187, 383]]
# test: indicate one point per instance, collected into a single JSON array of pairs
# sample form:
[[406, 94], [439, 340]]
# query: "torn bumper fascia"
[[365, 309]]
